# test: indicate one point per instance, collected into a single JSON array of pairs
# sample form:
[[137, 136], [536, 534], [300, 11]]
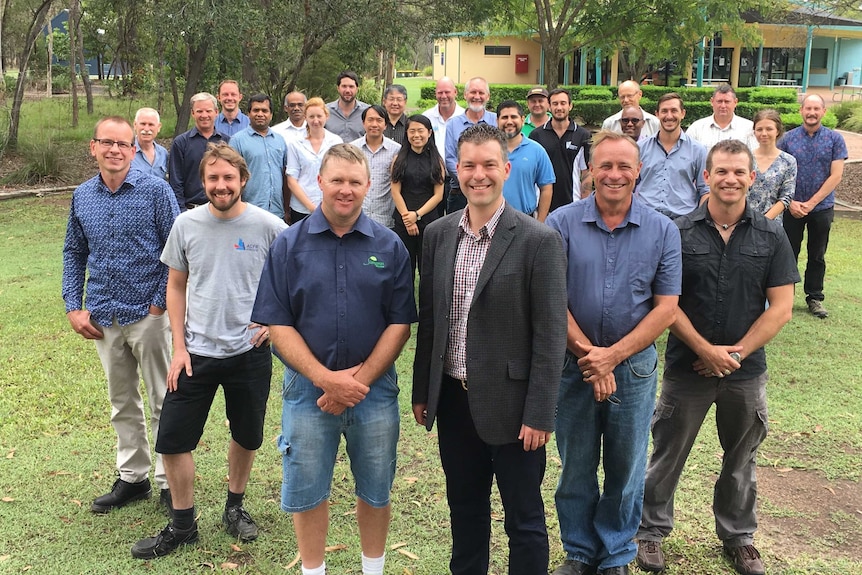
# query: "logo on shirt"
[[373, 261], [242, 247]]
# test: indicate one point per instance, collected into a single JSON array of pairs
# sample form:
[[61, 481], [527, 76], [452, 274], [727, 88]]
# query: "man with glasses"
[[119, 222], [294, 128], [632, 123], [610, 374], [394, 101], [629, 94]]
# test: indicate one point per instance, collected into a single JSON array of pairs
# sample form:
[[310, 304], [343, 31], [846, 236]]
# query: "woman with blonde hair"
[[303, 160]]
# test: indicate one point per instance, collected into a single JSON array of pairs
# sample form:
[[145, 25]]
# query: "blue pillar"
[[807, 62], [541, 66], [567, 71], [835, 53], [711, 57], [700, 50], [598, 67]]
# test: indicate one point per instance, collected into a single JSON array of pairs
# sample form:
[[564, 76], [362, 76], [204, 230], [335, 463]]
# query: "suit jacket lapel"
[[448, 249], [503, 236]]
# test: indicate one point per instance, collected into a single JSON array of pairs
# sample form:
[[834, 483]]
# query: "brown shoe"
[[650, 556], [745, 559]]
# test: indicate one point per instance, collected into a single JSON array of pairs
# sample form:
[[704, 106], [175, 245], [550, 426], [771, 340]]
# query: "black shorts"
[[245, 379]]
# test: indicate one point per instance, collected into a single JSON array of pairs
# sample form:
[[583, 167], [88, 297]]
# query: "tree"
[[39, 13]]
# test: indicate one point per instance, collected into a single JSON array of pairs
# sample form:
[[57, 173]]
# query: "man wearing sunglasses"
[[632, 123]]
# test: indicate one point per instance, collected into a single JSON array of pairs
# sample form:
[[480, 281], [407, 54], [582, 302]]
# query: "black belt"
[[460, 380]]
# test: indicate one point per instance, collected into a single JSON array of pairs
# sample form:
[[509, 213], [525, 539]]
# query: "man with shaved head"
[[629, 94], [632, 122], [447, 107]]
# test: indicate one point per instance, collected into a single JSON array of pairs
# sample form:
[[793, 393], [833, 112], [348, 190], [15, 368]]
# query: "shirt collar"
[[490, 226], [317, 224]]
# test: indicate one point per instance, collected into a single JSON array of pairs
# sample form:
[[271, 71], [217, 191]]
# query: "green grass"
[[57, 446]]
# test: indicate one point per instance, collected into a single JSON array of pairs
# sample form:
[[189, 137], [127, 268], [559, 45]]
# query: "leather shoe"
[[573, 567], [122, 493], [165, 542], [621, 570], [746, 559], [650, 556]]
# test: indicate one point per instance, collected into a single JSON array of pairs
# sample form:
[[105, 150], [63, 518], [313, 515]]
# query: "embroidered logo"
[[242, 247], [373, 261]]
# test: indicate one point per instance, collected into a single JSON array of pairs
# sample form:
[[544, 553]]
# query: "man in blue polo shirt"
[[820, 154], [477, 93], [265, 152], [623, 281], [531, 168], [337, 293]]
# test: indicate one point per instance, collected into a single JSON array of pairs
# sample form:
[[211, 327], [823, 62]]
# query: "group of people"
[[550, 260]]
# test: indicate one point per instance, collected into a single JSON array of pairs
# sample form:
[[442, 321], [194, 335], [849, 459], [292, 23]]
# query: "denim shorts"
[[310, 437]]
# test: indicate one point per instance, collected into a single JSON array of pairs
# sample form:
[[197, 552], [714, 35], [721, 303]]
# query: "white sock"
[[316, 571], [373, 566]]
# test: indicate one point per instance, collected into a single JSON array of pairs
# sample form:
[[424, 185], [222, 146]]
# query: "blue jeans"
[[597, 527]]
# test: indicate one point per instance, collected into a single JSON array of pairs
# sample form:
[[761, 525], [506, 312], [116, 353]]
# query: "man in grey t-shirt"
[[215, 254]]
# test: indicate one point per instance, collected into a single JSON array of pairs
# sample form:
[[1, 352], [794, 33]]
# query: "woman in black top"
[[417, 185]]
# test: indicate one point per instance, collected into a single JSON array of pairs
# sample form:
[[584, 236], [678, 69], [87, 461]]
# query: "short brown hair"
[[670, 96], [348, 153], [113, 120], [732, 147], [221, 151], [480, 133], [608, 136]]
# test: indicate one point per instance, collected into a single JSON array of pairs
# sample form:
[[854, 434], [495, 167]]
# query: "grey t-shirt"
[[224, 259]]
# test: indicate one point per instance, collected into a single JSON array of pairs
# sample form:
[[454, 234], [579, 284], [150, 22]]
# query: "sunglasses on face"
[[630, 121]]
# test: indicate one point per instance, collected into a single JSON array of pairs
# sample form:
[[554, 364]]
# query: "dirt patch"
[[802, 512], [850, 188]]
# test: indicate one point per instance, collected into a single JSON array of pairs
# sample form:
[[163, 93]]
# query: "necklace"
[[726, 227]]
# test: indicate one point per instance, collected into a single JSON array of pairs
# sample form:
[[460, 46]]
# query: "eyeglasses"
[[630, 120], [394, 99], [296, 105], [108, 144]]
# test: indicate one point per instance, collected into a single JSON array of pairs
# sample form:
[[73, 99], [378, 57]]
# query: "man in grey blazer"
[[490, 349]]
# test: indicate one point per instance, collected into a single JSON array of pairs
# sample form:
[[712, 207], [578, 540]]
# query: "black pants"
[[470, 465], [819, 224]]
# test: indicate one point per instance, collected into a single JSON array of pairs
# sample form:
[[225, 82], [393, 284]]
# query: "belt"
[[461, 380]]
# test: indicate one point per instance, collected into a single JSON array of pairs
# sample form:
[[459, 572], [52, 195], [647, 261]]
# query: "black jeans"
[[818, 223]]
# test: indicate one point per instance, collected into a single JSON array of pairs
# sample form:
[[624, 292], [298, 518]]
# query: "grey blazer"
[[516, 328]]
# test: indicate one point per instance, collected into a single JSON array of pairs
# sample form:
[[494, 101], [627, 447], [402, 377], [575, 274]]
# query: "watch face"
[[735, 357]]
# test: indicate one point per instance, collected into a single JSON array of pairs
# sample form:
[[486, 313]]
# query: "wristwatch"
[[736, 357], [418, 216]]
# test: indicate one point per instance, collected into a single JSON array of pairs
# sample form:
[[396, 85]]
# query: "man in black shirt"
[[734, 262], [568, 146]]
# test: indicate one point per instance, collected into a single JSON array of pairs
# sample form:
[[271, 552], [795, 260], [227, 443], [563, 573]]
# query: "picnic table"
[[851, 90]]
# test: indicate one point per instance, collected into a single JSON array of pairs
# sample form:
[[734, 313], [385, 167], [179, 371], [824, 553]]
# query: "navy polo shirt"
[[340, 294]]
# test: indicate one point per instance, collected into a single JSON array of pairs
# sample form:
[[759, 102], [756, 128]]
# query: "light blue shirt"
[[159, 167], [531, 167], [454, 128], [266, 157], [612, 275], [672, 183], [223, 126]]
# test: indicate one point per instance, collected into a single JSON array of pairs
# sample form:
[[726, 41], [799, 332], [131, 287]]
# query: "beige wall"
[[465, 58]]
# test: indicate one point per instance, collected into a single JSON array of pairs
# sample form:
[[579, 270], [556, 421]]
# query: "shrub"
[[428, 71], [845, 110], [851, 122], [596, 93], [772, 96], [794, 119], [42, 163]]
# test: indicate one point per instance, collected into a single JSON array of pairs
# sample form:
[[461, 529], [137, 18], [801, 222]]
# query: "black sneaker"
[[239, 523], [122, 493], [166, 502], [165, 542]]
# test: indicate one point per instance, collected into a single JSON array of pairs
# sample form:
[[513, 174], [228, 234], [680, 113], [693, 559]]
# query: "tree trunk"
[[49, 86], [36, 24], [197, 56], [85, 69], [74, 8]]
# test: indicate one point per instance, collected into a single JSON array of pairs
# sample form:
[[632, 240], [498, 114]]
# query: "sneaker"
[[122, 493], [239, 523], [650, 556], [745, 559], [574, 567], [166, 502], [621, 570], [817, 309], [165, 542]]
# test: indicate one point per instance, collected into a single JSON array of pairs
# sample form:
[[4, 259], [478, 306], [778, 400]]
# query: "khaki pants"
[[123, 350]]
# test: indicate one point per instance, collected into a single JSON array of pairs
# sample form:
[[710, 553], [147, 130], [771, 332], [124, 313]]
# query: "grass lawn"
[[57, 448]]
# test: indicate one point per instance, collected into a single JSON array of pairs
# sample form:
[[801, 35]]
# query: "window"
[[819, 57], [498, 50]]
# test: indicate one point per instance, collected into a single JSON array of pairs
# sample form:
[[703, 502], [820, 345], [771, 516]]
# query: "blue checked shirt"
[[118, 237]]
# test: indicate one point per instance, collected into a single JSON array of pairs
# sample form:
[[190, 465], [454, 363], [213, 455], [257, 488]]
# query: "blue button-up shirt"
[[339, 293], [118, 236], [223, 126], [184, 164], [672, 183], [814, 156], [612, 275], [159, 167], [266, 157], [454, 128]]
